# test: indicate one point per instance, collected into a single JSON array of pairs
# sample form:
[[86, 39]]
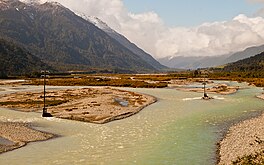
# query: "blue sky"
[[193, 12]]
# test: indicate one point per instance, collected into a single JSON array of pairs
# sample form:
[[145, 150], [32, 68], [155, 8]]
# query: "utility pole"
[[205, 96], [204, 83], [45, 113], [44, 106]]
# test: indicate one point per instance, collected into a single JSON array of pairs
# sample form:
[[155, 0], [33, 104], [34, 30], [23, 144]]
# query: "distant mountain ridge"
[[249, 52], [193, 62], [251, 64], [64, 40]]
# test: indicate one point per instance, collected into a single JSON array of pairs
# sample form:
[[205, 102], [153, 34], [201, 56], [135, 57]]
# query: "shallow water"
[[4, 141], [178, 129]]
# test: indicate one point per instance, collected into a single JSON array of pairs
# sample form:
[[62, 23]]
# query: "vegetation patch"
[[95, 81], [33, 103]]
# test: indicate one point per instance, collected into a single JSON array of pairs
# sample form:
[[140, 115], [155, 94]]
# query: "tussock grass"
[[95, 81]]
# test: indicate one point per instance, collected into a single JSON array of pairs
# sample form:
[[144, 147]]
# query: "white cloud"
[[213, 38], [258, 1], [148, 31]]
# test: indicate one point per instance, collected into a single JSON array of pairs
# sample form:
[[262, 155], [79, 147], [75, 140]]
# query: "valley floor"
[[244, 141]]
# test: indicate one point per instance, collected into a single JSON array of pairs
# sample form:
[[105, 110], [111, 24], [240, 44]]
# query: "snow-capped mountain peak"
[[122, 40], [97, 22]]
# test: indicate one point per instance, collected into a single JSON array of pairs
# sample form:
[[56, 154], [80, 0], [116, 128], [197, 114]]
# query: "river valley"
[[180, 128]]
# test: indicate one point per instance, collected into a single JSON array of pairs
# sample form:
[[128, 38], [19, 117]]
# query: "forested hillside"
[[64, 40], [15, 61], [249, 70], [252, 64]]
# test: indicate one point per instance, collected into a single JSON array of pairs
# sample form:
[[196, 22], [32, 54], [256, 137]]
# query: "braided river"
[[180, 128]]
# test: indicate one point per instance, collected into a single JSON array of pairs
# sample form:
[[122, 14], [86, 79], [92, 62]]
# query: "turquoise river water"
[[179, 129]]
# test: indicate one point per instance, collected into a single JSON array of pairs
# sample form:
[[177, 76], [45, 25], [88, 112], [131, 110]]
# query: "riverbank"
[[16, 135], [244, 142], [95, 105]]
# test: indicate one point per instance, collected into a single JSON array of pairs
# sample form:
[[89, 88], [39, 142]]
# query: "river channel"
[[180, 128]]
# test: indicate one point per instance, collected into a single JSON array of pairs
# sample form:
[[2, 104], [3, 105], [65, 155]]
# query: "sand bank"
[[16, 135], [243, 139], [261, 96], [244, 142], [96, 105], [222, 89]]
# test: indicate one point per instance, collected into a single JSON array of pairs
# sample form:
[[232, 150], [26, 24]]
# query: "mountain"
[[17, 61], [251, 64], [194, 62], [125, 42], [252, 51], [64, 40]]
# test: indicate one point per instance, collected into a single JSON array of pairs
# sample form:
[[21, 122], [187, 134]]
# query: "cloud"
[[213, 38], [149, 32], [256, 1]]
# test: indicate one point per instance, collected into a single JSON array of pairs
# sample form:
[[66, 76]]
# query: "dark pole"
[[204, 83], [45, 113], [44, 107], [204, 87]]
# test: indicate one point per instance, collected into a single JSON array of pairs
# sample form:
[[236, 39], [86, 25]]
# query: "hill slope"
[[126, 43], [252, 64], [15, 60], [249, 52], [64, 40]]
